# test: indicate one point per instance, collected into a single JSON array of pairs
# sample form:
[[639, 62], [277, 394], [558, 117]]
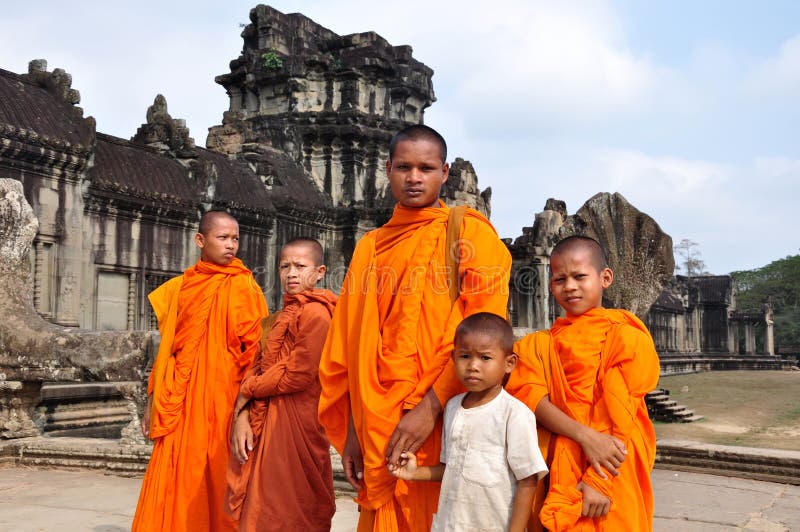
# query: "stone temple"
[[300, 151]]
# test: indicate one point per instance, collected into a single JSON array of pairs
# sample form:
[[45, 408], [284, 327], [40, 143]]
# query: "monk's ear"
[[199, 239], [321, 269], [445, 172], [388, 166], [606, 277]]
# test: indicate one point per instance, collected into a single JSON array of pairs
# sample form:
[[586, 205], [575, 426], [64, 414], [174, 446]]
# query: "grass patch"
[[743, 408]]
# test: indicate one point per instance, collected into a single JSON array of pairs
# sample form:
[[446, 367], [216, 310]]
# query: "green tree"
[[779, 282]]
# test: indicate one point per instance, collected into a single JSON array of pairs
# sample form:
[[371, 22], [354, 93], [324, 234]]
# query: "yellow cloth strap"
[[452, 248]]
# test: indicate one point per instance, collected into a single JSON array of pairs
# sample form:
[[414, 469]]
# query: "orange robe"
[[209, 321], [391, 341], [287, 481], [597, 368]]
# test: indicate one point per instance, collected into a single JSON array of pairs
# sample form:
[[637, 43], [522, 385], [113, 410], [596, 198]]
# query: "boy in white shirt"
[[490, 459]]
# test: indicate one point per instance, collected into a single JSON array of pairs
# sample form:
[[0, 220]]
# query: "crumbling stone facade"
[[301, 151], [699, 315], [638, 251]]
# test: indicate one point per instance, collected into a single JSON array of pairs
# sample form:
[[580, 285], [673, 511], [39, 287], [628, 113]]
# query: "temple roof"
[[27, 106]]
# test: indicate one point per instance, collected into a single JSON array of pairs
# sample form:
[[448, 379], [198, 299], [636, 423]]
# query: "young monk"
[[280, 475], [490, 460], [209, 321], [386, 369], [595, 365]]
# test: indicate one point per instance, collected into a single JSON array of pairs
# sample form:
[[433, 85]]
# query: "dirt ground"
[[745, 408]]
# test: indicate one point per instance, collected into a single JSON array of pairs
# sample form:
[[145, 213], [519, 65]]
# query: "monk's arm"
[[414, 428], [298, 370], [528, 383], [633, 370], [601, 450], [353, 457]]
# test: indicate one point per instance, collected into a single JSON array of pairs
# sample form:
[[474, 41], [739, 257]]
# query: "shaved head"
[[419, 132], [317, 253], [208, 219], [574, 244], [490, 325]]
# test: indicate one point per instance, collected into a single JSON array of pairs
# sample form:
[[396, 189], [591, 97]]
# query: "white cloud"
[[778, 75], [659, 175], [555, 63]]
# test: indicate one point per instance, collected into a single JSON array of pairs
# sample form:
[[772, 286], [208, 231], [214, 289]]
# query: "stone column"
[[542, 294], [71, 258], [749, 339], [769, 338], [132, 302], [733, 336], [37, 277]]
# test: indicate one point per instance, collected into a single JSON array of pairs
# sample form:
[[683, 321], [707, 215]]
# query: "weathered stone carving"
[[31, 346], [163, 133], [330, 102], [33, 350], [638, 251], [461, 188]]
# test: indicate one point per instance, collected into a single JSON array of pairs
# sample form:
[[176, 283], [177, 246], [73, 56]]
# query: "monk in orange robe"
[[595, 365], [386, 369], [280, 476], [209, 321]]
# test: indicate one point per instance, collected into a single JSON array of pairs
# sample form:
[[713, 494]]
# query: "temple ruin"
[[300, 151]]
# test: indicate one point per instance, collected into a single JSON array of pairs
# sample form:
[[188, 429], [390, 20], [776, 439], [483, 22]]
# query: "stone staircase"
[[662, 408]]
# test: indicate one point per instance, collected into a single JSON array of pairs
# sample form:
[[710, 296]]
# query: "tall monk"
[[595, 365], [280, 476], [386, 369], [209, 319]]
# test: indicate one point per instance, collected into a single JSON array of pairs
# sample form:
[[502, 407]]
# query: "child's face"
[[416, 173], [481, 364], [221, 243], [297, 269], [576, 284]]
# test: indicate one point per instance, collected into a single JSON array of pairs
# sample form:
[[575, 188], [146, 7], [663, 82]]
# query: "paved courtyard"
[[44, 500]]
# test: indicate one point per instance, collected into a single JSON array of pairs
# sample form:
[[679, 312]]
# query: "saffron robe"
[[209, 321], [391, 340], [596, 368], [287, 481]]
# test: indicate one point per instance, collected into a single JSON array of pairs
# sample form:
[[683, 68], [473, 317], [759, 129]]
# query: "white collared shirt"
[[487, 449]]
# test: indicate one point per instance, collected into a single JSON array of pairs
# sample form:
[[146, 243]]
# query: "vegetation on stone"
[[272, 61]]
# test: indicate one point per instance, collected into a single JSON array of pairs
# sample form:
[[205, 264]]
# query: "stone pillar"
[[697, 325], [542, 295], [733, 337], [71, 257], [132, 302], [749, 339], [37, 277], [769, 338]]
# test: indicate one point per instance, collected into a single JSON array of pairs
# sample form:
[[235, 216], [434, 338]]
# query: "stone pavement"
[[44, 500]]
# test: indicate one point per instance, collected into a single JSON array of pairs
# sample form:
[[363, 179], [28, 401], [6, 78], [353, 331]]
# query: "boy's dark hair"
[[207, 220], [490, 325], [418, 132], [574, 242], [317, 252]]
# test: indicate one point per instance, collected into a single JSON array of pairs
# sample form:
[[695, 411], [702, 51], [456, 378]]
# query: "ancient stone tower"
[[330, 102]]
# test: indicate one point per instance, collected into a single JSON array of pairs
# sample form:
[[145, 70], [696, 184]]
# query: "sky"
[[691, 110]]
